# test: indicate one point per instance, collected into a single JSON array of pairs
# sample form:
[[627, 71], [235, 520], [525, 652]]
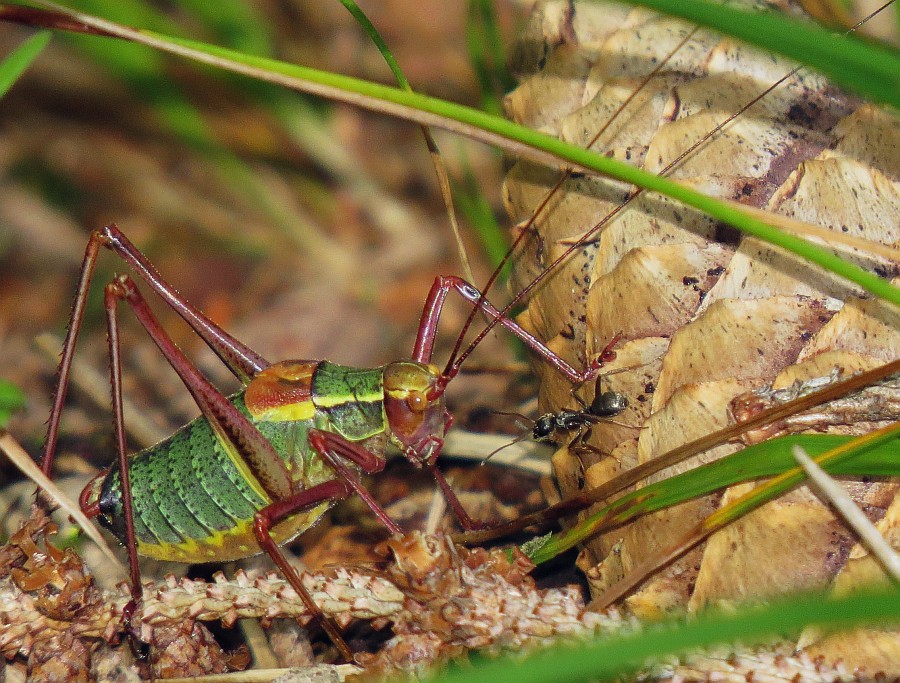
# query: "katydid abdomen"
[[195, 498]]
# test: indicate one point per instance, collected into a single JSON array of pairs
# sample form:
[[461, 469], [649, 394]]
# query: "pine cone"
[[704, 314]]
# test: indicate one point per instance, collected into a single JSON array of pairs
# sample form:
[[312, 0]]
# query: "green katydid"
[[261, 466]]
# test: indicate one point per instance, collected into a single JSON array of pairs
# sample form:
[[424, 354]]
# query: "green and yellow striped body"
[[195, 498]]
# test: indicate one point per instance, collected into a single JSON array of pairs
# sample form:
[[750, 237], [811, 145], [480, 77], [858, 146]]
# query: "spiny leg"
[[442, 286], [110, 301], [332, 447], [241, 360], [227, 421], [424, 347], [270, 515], [463, 517], [329, 445], [259, 455], [65, 362]]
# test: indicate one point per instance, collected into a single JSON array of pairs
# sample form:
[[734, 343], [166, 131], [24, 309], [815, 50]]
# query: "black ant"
[[606, 404]]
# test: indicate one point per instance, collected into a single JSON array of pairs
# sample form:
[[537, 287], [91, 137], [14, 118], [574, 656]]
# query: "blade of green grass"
[[502, 76], [690, 537], [144, 72], [833, 460], [606, 658], [830, 491], [439, 168], [11, 397], [729, 434], [379, 42], [512, 137], [20, 59], [485, 47], [868, 69], [772, 458]]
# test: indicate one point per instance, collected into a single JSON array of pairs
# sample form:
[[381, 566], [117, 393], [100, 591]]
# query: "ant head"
[[415, 410], [543, 427]]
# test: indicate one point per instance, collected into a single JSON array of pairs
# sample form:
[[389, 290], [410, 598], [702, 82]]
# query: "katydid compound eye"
[[417, 401]]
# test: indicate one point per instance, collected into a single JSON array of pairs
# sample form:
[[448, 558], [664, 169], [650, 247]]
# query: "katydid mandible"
[[258, 468]]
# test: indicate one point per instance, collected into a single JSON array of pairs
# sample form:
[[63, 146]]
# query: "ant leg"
[[580, 442]]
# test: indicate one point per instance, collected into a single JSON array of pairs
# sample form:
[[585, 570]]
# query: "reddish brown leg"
[[432, 312], [424, 348], [243, 361], [332, 447], [264, 463], [262, 460], [465, 521], [607, 355], [115, 378], [463, 517], [65, 363], [270, 515]]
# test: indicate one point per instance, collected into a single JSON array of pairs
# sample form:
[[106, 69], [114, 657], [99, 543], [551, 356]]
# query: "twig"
[[25, 464], [855, 518]]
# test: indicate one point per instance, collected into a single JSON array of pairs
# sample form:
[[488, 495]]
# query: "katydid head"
[[415, 410]]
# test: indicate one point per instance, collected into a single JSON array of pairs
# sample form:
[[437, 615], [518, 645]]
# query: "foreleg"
[[431, 314], [333, 448]]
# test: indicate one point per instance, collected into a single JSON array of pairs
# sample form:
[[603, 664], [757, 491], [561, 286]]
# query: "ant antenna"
[[494, 452]]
